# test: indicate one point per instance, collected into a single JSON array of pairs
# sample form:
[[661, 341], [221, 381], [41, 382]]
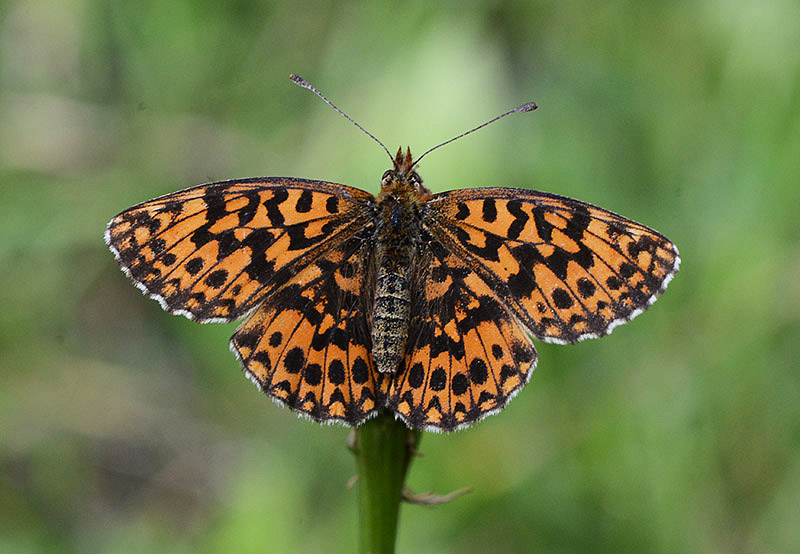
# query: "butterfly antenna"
[[299, 81], [527, 107]]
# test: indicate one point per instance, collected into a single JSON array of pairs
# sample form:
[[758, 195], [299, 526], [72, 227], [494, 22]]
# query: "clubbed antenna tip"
[[527, 107], [299, 81]]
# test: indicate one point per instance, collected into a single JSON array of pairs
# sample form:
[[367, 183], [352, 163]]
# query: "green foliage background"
[[125, 429]]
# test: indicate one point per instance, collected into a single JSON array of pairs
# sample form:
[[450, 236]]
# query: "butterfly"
[[416, 303]]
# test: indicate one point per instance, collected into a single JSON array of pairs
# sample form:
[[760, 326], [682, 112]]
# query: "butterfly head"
[[403, 176]]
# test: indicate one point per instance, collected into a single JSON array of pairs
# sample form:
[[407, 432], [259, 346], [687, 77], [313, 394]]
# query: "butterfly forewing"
[[566, 269], [213, 252]]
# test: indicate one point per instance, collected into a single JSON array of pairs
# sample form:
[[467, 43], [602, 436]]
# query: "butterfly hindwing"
[[214, 252], [308, 345], [466, 354], [567, 270]]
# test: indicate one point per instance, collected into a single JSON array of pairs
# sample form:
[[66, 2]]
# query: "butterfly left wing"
[[295, 255], [214, 252], [566, 269]]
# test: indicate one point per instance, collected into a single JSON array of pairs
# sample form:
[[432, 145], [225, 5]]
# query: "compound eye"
[[415, 178], [387, 176]]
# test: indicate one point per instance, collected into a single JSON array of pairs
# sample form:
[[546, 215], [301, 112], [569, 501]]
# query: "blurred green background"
[[124, 429]]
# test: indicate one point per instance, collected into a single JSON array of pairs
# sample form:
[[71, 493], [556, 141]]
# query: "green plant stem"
[[384, 448]]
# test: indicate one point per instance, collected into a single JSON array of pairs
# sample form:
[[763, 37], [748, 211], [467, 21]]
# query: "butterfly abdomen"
[[390, 320], [394, 260]]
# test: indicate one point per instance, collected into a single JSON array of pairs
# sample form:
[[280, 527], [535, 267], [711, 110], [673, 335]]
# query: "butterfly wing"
[[214, 252], [308, 345], [499, 263], [295, 254], [566, 269], [466, 354]]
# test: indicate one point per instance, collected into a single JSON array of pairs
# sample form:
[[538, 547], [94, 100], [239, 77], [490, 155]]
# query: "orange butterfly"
[[418, 303]]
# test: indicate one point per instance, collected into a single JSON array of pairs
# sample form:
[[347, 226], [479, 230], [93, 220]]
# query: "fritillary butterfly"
[[417, 303]]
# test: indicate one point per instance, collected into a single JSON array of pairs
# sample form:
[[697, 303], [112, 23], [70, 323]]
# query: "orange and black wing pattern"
[[466, 354], [566, 269], [292, 248], [493, 267], [502, 263], [214, 252], [308, 345]]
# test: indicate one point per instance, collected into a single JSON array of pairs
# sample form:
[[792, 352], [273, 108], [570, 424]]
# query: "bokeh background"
[[124, 429]]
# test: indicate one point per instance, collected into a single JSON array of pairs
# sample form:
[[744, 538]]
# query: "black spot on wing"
[[194, 266], [438, 379], [459, 384], [478, 371], [169, 258], [491, 248], [272, 204], [543, 227], [336, 372], [294, 360], [360, 371], [514, 207], [247, 213], [577, 222], [216, 278], [332, 205], [313, 374], [586, 288], [416, 376], [489, 213], [157, 246], [562, 299], [303, 205]]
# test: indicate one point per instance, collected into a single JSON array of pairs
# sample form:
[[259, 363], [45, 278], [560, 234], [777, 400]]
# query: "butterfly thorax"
[[397, 229]]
